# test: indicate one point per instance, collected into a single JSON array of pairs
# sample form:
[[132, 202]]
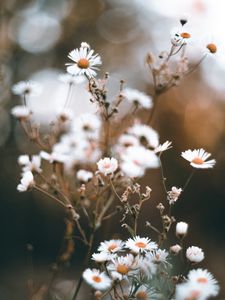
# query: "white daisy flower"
[[71, 79], [163, 147], [181, 229], [194, 254], [65, 115], [85, 61], [174, 194], [204, 278], [198, 158], [107, 165], [21, 112], [138, 98], [26, 181], [138, 244], [158, 256], [146, 293], [125, 141], [175, 249], [121, 266], [84, 175], [192, 291], [146, 135], [136, 159], [88, 125], [33, 164], [96, 279], [146, 266], [131, 169], [111, 246], [102, 257], [28, 88]]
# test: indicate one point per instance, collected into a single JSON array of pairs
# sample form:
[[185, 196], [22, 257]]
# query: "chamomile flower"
[[85, 61], [135, 160], [98, 280], [26, 181], [204, 278], [121, 266], [107, 165], [87, 125], [146, 293], [28, 88], [125, 141], [145, 265], [192, 291], [138, 98], [194, 254], [64, 115], [198, 158], [111, 246], [84, 175], [21, 112], [138, 244], [147, 135]]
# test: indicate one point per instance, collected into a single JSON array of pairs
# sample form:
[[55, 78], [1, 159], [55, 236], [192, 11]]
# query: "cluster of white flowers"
[[79, 144], [131, 267], [136, 260], [136, 268]]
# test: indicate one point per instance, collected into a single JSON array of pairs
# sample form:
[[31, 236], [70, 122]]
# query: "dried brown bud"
[[160, 207], [98, 295], [149, 58], [212, 48]]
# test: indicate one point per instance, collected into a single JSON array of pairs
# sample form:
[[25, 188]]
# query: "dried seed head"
[[212, 48]]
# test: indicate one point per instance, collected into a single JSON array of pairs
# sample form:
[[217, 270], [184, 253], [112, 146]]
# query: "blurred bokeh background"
[[35, 38]]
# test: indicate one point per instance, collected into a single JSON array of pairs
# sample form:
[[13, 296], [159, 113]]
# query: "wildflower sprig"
[[91, 165]]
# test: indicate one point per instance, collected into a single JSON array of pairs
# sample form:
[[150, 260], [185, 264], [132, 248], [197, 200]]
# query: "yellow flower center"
[[202, 280], [140, 245], [141, 295], [112, 247], [122, 269], [185, 35], [212, 48], [96, 278], [197, 161], [83, 63]]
